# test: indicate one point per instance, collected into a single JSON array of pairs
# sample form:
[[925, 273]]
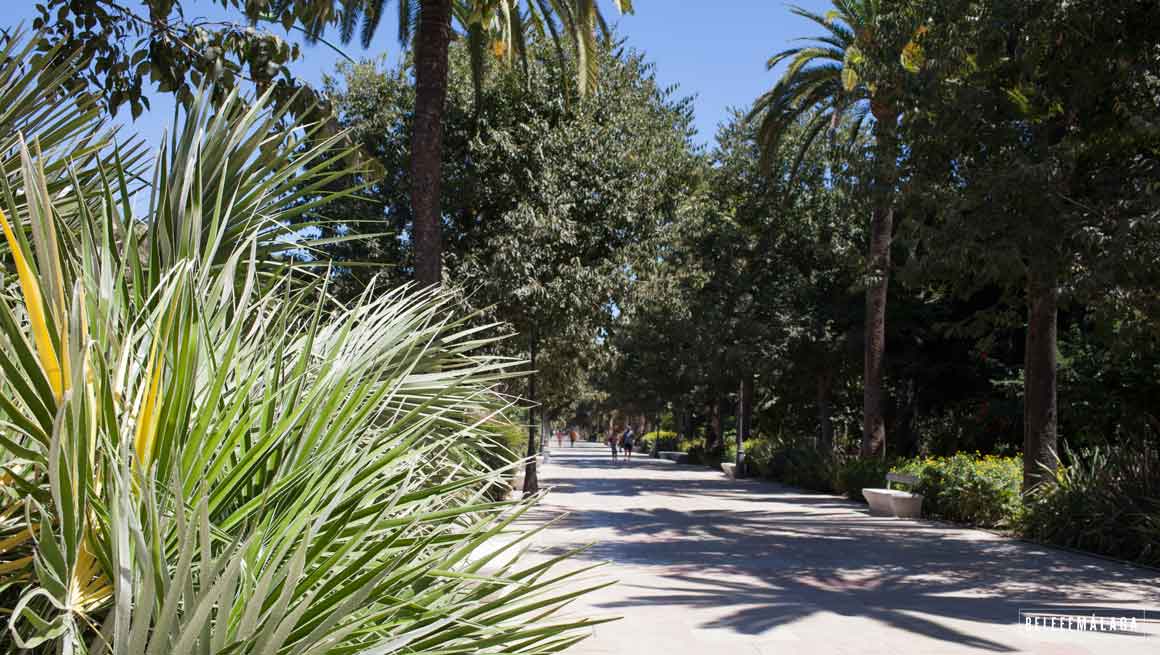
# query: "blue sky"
[[714, 50]]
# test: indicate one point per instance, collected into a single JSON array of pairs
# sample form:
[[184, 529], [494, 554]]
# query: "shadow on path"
[[773, 556]]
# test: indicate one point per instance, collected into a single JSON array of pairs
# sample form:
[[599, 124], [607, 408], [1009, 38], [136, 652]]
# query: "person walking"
[[613, 443], [572, 437], [627, 442], [560, 438]]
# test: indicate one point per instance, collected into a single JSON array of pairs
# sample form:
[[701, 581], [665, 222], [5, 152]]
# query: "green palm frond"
[[819, 80], [203, 453]]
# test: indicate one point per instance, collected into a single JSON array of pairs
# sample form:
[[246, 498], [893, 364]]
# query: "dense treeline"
[[937, 233], [1022, 265], [958, 194]]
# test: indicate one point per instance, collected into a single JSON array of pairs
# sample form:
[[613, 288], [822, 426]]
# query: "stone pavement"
[[711, 565]]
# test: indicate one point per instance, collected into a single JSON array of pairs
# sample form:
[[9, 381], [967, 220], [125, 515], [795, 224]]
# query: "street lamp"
[[744, 410]]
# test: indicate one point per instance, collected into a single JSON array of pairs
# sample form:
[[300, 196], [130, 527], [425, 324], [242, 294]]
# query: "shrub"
[[499, 447], [853, 475], [758, 452], [202, 452], [1106, 501], [700, 455], [802, 467], [664, 439], [977, 489]]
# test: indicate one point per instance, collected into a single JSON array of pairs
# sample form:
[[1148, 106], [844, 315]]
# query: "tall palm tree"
[[498, 25], [848, 76]]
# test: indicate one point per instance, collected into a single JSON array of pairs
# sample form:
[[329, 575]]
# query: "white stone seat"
[[895, 502]]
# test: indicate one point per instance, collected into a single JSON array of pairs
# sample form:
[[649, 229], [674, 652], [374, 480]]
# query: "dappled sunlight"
[[772, 563]]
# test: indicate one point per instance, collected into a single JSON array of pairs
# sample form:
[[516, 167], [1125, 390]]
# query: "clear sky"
[[714, 50]]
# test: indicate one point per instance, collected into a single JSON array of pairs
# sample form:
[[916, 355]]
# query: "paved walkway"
[[710, 565]]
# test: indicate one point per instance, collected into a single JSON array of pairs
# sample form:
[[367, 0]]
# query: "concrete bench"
[[895, 502], [730, 470], [674, 455]]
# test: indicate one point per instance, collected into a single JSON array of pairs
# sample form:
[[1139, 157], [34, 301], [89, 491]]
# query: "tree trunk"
[[744, 419], [531, 481], [825, 413], [717, 427], [431, 41], [878, 280], [1039, 380]]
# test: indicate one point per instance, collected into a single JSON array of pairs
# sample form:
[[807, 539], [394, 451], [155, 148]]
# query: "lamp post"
[[744, 407]]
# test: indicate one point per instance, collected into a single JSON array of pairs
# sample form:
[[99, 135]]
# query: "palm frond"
[[204, 454]]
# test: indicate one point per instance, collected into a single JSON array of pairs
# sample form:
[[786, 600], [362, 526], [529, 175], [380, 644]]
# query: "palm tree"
[[847, 76], [498, 25]]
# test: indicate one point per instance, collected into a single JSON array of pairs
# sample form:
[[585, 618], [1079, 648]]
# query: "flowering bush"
[[978, 489]]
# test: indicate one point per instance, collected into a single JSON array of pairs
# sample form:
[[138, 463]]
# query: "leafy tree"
[[850, 73], [1037, 141], [551, 203], [126, 48]]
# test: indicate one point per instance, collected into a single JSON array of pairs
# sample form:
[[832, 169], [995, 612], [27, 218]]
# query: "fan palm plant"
[[848, 75], [201, 452]]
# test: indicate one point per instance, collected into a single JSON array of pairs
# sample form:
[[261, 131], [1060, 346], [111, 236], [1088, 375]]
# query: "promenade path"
[[710, 565]]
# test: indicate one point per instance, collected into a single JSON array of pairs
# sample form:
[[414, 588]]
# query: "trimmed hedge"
[[977, 489]]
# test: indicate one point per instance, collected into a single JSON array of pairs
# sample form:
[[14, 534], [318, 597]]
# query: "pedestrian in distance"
[[627, 443], [613, 443]]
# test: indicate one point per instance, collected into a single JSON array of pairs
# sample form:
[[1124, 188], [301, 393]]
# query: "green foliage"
[[852, 475], [663, 439], [1107, 500], [758, 455], [550, 205], [126, 47], [802, 467], [204, 452], [711, 457], [501, 448], [977, 489]]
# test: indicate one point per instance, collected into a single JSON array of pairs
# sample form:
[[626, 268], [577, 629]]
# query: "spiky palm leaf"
[[498, 26], [207, 467], [821, 85]]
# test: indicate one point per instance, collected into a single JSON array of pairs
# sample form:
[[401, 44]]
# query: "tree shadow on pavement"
[[800, 555]]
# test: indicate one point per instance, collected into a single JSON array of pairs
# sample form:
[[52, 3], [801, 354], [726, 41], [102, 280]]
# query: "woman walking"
[[613, 443]]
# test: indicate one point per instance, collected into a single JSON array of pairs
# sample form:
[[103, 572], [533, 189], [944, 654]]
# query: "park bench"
[[895, 502], [674, 455]]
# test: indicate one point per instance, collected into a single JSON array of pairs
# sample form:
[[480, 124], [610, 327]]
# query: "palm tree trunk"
[[1039, 379], [878, 282], [431, 42]]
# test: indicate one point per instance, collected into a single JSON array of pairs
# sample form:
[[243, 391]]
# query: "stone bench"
[[674, 455], [895, 502], [730, 470]]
